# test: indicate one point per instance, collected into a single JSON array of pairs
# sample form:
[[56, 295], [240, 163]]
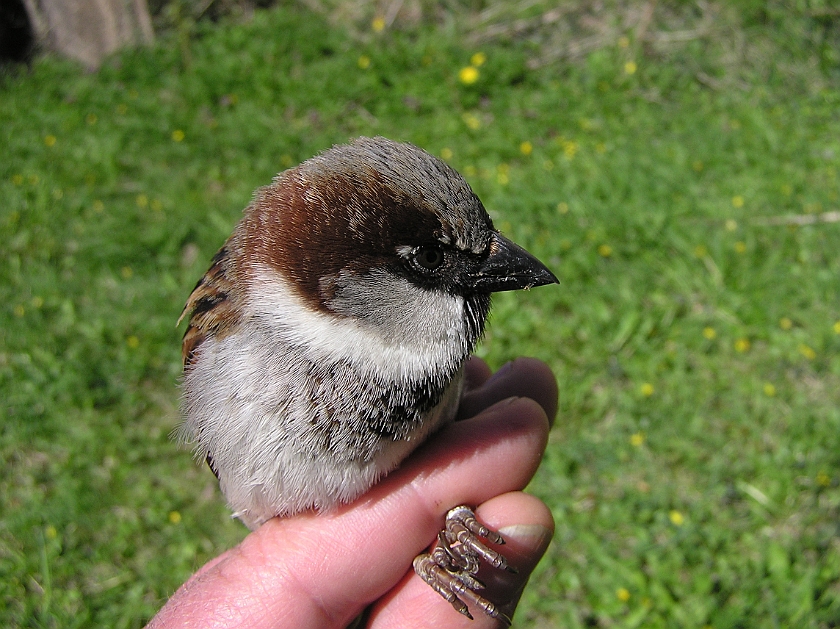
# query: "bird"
[[328, 338]]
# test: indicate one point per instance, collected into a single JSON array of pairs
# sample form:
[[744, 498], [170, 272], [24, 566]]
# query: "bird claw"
[[451, 568]]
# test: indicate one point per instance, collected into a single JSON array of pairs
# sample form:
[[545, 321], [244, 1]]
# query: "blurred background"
[[675, 163]]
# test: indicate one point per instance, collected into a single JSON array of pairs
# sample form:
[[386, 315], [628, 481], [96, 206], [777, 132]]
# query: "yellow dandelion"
[[605, 251], [563, 208], [570, 148], [700, 251], [526, 148], [91, 119], [472, 121], [637, 439], [364, 62], [785, 323], [740, 246], [697, 165], [122, 109], [446, 153], [676, 518], [142, 200], [156, 205], [623, 41], [731, 225], [37, 302], [823, 479], [98, 206], [623, 594], [50, 532], [769, 389], [468, 75], [600, 148], [378, 24], [470, 170], [646, 389], [836, 327], [807, 352], [19, 310], [786, 189], [174, 517], [709, 333], [178, 135], [126, 272], [742, 345], [286, 160], [133, 342], [630, 67], [503, 179], [33, 179], [478, 59], [50, 140], [737, 201], [17, 179]]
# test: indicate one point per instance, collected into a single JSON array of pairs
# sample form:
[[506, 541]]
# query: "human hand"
[[323, 570]]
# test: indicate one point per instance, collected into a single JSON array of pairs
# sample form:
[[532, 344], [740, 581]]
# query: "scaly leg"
[[451, 568]]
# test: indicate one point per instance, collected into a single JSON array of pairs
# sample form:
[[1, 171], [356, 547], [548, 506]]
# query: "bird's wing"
[[209, 307]]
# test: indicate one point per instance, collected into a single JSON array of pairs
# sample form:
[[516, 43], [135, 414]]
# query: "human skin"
[[323, 570]]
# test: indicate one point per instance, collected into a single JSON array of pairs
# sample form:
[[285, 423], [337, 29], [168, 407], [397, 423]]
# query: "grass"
[[695, 468]]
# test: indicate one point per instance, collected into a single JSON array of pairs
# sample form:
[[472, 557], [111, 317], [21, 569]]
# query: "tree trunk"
[[89, 30]]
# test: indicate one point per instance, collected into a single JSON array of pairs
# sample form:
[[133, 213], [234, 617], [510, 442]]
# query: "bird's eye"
[[428, 257]]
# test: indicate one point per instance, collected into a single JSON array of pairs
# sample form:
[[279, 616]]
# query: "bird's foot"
[[451, 568]]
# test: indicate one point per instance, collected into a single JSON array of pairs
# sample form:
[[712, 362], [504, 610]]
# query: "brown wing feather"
[[209, 307]]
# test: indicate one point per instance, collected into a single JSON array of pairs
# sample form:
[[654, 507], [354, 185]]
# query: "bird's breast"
[[287, 432]]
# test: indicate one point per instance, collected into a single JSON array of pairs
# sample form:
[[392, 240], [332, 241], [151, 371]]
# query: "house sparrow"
[[328, 338]]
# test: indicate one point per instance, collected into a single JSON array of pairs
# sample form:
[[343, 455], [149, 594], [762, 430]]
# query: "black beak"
[[509, 267]]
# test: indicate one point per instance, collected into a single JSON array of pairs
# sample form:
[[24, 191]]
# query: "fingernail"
[[531, 535]]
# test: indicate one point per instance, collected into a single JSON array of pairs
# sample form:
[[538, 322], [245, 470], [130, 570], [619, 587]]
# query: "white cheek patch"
[[391, 326]]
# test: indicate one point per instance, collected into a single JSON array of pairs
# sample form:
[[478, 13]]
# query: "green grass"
[[695, 468]]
